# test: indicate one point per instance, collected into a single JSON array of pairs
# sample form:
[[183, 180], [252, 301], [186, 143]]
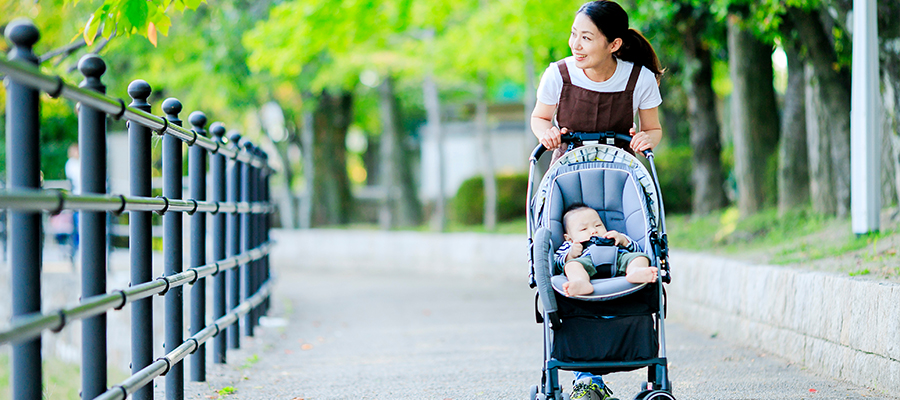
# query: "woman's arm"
[[651, 130], [542, 125]]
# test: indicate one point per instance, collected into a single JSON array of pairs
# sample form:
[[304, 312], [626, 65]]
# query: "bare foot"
[[578, 287], [641, 275]]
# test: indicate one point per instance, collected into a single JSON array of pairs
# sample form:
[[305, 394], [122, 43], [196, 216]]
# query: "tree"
[[754, 115], [694, 25], [793, 155], [828, 110]]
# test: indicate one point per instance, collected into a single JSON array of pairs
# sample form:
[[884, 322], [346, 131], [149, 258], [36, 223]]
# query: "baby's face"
[[582, 224]]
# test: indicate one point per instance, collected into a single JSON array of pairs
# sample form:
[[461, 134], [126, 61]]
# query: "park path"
[[361, 335]]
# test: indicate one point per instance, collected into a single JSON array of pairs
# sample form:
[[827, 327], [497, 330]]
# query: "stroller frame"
[[658, 385]]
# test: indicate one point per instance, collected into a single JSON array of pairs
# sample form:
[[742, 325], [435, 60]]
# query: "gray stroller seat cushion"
[[604, 289], [610, 191]]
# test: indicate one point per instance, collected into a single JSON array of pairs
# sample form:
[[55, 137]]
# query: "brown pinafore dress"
[[583, 110]]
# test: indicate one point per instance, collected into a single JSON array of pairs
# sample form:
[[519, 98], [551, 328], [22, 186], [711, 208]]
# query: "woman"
[[612, 75], [591, 90]]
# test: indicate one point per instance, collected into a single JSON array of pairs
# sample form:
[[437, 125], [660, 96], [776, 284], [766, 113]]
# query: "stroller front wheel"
[[654, 395]]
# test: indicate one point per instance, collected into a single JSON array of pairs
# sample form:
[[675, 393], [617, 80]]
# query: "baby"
[[580, 223]]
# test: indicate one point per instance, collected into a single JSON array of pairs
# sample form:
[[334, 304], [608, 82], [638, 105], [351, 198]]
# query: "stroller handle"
[[607, 137]]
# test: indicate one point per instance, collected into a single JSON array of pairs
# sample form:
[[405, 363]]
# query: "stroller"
[[620, 326]]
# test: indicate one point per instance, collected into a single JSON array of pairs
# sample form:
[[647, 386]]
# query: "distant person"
[[73, 175]]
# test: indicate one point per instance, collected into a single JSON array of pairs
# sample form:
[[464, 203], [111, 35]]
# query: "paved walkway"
[[367, 336]]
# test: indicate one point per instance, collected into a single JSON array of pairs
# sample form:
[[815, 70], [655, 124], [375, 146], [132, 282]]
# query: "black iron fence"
[[239, 206]]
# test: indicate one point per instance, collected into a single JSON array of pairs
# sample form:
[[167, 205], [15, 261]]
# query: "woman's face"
[[588, 44]]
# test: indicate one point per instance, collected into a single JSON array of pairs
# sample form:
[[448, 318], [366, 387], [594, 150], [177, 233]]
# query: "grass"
[[62, 380], [799, 238], [227, 390]]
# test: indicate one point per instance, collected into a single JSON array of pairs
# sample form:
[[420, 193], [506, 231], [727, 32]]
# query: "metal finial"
[[21, 32], [91, 66], [218, 130], [172, 107], [139, 90], [197, 120], [235, 138]]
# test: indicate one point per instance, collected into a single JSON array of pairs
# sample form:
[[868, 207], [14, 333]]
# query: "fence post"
[[197, 173], [257, 230], [267, 221], [234, 242], [172, 248], [140, 237], [246, 238], [217, 164], [92, 151], [24, 239]]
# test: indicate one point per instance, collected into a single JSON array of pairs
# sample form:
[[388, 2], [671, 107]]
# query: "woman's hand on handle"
[[651, 131], [640, 141], [551, 137]]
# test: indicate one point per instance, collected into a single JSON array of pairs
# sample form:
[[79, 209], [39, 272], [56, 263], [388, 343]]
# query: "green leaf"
[[134, 15], [93, 24]]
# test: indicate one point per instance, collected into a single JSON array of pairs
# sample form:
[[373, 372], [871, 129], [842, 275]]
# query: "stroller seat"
[[610, 189]]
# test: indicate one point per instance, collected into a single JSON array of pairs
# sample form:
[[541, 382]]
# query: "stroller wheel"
[[532, 392], [564, 396], [654, 395]]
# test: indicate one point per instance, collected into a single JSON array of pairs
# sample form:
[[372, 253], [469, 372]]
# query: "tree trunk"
[[400, 206], [706, 174], [793, 156], [754, 117], [332, 203], [833, 101], [889, 36], [387, 151], [821, 183], [891, 102], [307, 143], [487, 165], [433, 113], [286, 209], [530, 98]]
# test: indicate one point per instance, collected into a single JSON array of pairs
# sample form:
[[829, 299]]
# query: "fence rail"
[[239, 208]]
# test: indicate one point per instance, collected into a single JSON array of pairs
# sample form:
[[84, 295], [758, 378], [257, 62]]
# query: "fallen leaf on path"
[[813, 390], [306, 346]]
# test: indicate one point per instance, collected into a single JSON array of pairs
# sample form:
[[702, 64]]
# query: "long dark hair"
[[612, 21]]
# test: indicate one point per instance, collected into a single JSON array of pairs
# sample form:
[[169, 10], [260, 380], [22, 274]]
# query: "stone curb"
[[840, 326]]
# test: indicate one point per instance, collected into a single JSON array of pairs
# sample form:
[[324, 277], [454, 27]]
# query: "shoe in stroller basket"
[[621, 325]]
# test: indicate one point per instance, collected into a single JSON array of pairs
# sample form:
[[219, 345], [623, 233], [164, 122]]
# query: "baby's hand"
[[620, 239], [575, 251]]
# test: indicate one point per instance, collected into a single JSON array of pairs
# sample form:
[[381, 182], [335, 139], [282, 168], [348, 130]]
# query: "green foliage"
[[134, 17], [673, 164], [227, 391], [467, 206]]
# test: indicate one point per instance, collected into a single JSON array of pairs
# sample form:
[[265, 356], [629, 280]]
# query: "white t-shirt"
[[646, 91], [73, 174]]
